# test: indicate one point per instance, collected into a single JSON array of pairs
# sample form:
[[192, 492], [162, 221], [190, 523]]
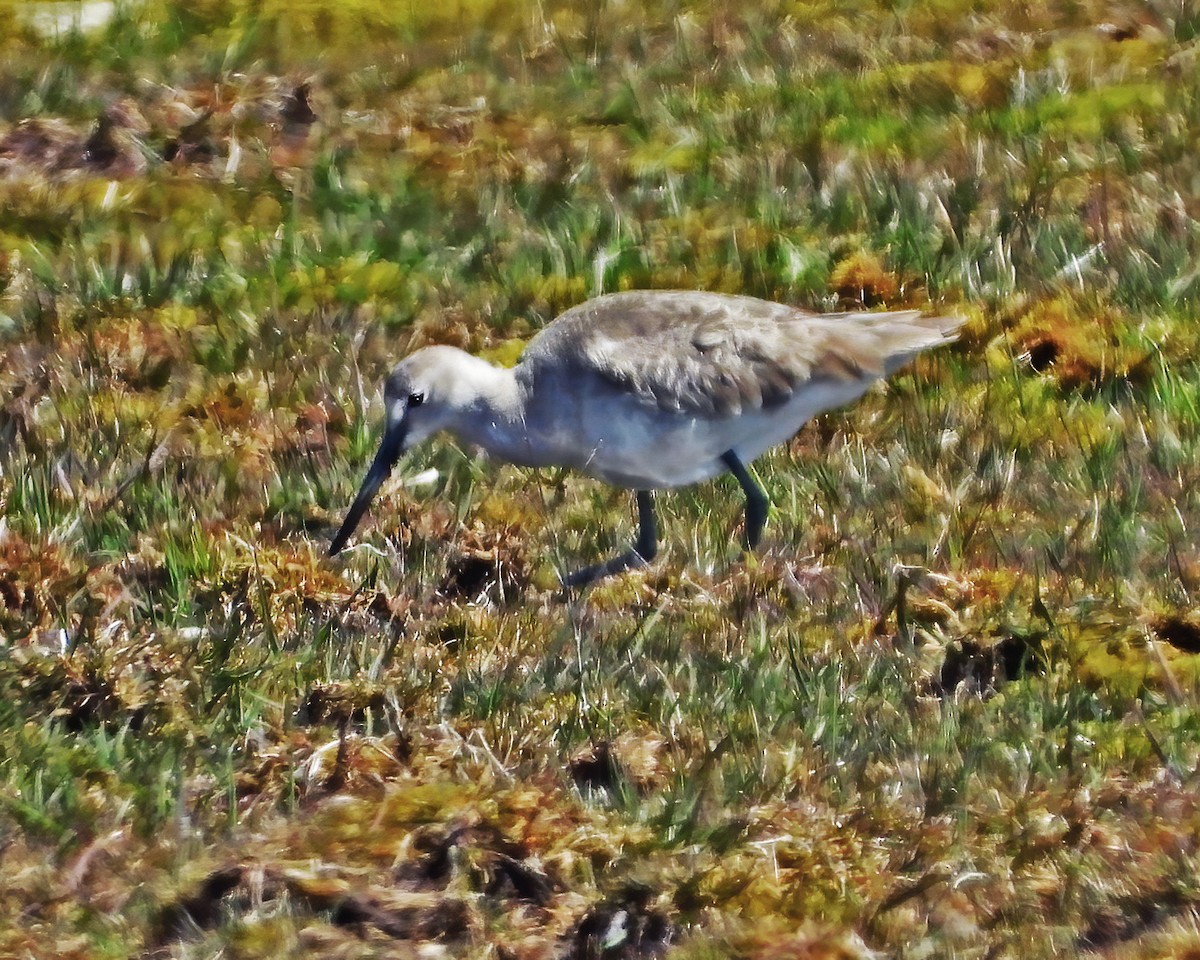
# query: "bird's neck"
[[493, 415]]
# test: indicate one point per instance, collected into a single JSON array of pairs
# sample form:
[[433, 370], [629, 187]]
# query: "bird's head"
[[420, 397]]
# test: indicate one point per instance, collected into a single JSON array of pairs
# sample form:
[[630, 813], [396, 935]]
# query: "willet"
[[649, 390]]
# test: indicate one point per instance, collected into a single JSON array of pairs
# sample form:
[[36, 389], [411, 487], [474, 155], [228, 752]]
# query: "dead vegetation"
[[950, 709]]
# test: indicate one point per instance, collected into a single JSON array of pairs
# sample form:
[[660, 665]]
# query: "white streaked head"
[[427, 390], [435, 388]]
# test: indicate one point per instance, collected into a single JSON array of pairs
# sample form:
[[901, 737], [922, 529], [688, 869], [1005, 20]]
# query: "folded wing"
[[716, 355]]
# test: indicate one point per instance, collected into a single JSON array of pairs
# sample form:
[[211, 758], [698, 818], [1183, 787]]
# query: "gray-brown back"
[[715, 355]]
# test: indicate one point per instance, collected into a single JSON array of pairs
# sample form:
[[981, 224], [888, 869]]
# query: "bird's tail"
[[902, 334], [873, 345]]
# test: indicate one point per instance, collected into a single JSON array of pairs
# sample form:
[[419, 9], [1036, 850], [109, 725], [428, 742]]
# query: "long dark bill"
[[390, 449]]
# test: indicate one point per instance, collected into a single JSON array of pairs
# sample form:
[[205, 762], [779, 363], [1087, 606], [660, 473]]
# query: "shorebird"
[[648, 390]]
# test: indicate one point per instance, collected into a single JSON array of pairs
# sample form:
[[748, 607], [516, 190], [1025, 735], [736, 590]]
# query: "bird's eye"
[[415, 400]]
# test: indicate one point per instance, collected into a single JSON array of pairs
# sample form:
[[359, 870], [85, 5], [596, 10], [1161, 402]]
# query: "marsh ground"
[[949, 710]]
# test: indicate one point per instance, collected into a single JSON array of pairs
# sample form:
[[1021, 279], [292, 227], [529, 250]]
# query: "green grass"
[[947, 710]]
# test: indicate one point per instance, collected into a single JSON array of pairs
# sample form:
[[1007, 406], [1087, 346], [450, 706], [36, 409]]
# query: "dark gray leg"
[[642, 553], [756, 499]]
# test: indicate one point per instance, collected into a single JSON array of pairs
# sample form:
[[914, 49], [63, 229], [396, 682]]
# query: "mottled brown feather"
[[710, 354]]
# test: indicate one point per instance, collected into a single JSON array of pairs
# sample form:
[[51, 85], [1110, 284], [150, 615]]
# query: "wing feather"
[[715, 355]]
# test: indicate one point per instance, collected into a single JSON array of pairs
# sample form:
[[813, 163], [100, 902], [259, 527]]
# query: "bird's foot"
[[644, 549], [629, 560]]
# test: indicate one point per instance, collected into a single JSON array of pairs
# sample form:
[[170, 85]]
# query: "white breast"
[[641, 447]]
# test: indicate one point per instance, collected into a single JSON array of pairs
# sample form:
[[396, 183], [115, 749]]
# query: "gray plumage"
[[649, 390], [715, 355]]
